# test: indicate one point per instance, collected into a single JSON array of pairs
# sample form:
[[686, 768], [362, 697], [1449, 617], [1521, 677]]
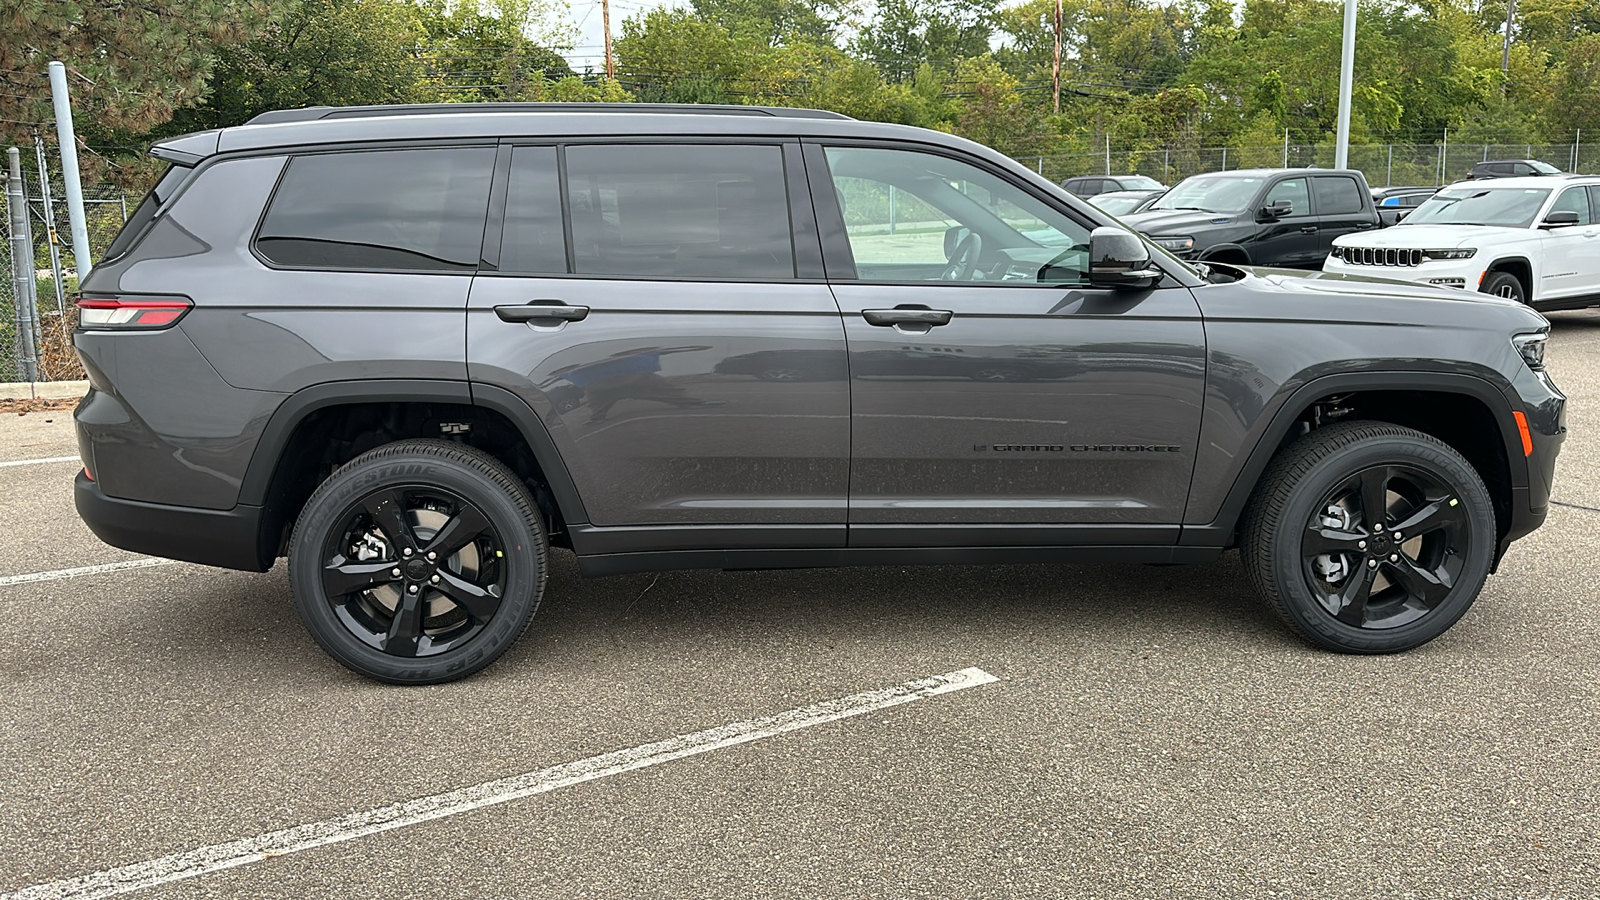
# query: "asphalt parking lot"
[[1148, 732]]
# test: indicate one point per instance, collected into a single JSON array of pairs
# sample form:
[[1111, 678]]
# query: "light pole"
[[1347, 67]]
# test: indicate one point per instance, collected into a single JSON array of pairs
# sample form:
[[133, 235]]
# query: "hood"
[[1175, 221], [1431, 237], [1334, 285]]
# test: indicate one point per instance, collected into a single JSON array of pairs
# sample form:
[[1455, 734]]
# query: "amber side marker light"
[[1522, 429]]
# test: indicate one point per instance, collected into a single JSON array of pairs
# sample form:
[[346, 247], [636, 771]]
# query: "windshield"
[[1118, 206], [1139, 183], [1211, 193], [1505, 207]]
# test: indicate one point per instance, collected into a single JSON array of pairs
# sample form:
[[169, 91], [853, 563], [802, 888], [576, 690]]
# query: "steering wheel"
[[964, 260]]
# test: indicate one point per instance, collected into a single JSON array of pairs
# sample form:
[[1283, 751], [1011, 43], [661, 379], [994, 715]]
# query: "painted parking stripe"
[[38, 462], [219, 857], [56, 574]]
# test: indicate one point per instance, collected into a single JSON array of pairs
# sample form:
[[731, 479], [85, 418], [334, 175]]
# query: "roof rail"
[[314, 113]]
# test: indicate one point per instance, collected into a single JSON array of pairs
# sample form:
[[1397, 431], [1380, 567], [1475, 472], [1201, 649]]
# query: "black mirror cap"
[[1119, 259], [1277, 209], [1560, 217]]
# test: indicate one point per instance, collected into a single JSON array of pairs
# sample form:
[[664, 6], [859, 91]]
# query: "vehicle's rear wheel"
[[418, 562], [1505, 284], [1369, 538]]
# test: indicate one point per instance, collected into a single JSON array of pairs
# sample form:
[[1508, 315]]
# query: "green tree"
[[318, 53], [772, 23], [1575, 92], [672, 55], [907, 33], [492, 50], [131, 63]]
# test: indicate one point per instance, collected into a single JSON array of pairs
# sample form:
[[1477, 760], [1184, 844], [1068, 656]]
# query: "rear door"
[[1571, 252], [996, 397], [1339, 208], [669, 324]]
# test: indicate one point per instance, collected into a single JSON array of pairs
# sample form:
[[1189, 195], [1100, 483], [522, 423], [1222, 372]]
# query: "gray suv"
[[413, 348]]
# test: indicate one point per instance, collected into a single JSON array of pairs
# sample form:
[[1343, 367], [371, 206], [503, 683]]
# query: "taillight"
[[126, 312]]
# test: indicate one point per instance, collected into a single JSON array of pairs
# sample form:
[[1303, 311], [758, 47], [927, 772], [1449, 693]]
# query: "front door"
[[1289, 240], [996, 397], [659, 329]]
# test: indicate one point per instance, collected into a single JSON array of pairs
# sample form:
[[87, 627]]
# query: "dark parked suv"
[[1261, 217], [413, 348]]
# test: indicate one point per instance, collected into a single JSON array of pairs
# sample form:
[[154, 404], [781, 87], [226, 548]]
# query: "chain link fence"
[[1384, 165], [52, 270]]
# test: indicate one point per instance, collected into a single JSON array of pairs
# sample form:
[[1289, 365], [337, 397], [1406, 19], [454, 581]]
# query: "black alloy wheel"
[[1367, 537], [418, 562], [1505, 285]]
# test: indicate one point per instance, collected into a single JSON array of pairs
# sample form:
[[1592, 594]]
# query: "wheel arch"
[[1519, 266], [325, 425], [1234, 254], [1456, 408]]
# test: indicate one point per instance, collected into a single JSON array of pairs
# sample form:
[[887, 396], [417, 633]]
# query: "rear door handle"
[[907, 316], [550, 311], [1308, 229]]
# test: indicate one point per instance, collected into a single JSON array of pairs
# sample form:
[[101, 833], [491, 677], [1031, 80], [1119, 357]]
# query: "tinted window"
[[920, 217], [1294, 191], [1574, 200], [680, 211], [1594, 203], [145, 211], [1336, 196], [381, 209], [533, 240]]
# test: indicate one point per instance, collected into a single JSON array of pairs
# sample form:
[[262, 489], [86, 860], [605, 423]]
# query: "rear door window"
[[680, 211], [1336, 195], [418, 209], [534, 238]]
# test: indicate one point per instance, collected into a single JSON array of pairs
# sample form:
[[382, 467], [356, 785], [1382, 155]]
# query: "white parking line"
[[218, 857], [38, 462], [54, 574]]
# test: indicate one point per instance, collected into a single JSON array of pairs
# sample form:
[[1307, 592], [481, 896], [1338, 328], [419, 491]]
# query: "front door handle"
[[1308, 229], [907, 315], [542, 312]]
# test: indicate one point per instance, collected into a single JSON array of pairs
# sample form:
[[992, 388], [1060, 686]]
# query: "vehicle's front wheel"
[[1506, 285], [1369, 538], [418, 562]]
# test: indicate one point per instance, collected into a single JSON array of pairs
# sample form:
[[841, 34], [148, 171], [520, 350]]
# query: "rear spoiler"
[[189, 149]]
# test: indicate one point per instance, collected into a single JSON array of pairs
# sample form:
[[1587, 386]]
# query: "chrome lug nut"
[[1361, 545], [434, 579], [407, 551], [411, 589], [1372, 564], [1394, 557], [1374, 528], [1398, 536], [395, 572], [432, 557]]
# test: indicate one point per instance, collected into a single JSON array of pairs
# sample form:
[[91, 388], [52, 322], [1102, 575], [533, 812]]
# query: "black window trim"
[[807, 260], [839, 260], [291, 154]]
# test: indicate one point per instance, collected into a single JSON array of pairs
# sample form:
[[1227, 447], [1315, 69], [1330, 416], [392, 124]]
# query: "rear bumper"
[[227, 538]]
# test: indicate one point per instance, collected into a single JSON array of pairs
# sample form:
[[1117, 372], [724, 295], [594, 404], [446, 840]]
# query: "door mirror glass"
[[1119, 259]]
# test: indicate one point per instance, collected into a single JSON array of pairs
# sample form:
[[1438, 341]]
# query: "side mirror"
[[1559, 218], [1277, 209], [1401, 216], [1119, 259]]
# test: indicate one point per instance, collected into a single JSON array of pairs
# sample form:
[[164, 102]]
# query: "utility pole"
[[1347, 68], [25, 353], [605, 19], [1055, 75]]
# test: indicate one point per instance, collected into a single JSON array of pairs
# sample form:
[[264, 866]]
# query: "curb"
[[42, 390]]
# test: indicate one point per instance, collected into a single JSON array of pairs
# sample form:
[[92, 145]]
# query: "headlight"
[[1174, 242], [1531, 346], [1463, 253]]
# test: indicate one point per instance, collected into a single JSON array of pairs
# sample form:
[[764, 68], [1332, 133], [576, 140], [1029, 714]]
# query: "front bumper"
[[228, 538], [1457, 273]]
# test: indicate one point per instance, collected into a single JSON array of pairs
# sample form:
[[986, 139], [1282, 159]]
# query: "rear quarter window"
[[420, 209], [145, 211]]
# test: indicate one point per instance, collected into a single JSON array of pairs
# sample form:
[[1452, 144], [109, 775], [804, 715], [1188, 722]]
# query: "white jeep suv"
[[1533, 240]]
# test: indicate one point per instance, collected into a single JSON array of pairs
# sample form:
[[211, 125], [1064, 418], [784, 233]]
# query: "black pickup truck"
[[1264, 217]]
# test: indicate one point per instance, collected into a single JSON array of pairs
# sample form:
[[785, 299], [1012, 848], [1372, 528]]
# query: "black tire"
[[1505, 284], [1311, 498], [468, 607]]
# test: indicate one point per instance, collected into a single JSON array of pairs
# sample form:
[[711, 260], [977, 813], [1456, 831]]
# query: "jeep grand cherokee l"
[[413, 348]]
